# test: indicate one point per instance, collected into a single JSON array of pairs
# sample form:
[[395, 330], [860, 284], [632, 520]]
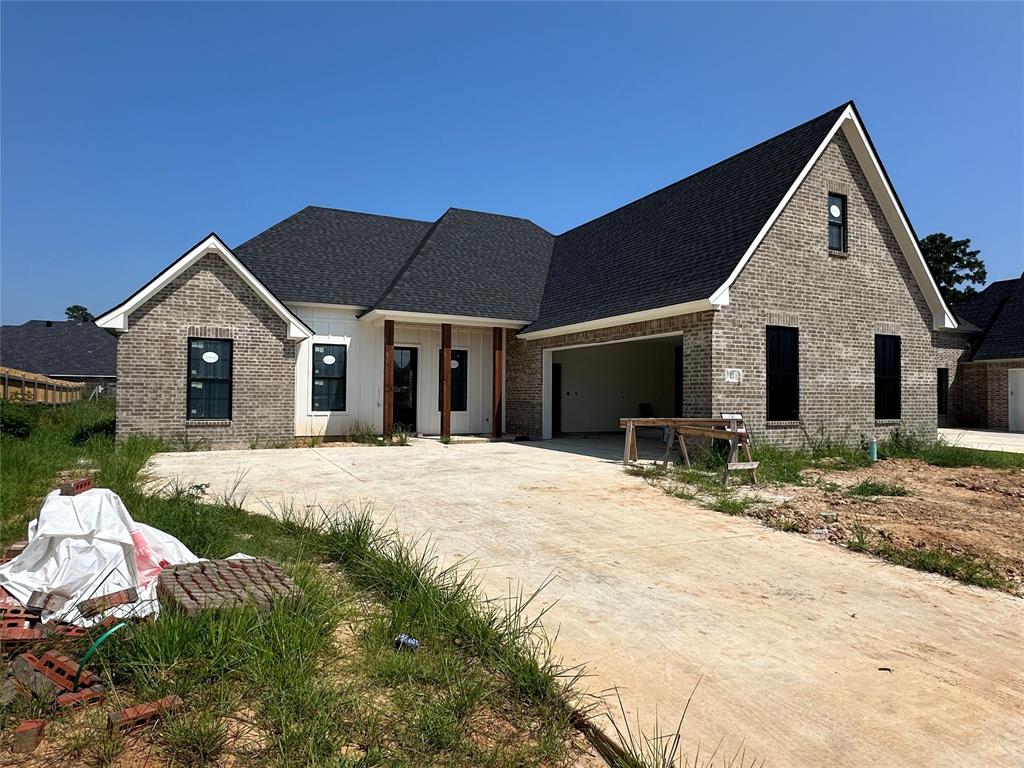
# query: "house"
[[70, 350], [985, 386], [784, 282]]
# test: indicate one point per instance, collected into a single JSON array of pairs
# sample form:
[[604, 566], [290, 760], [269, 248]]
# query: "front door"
[[405, 388], [1016, 393]]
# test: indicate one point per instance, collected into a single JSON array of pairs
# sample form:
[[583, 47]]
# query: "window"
[[329, 363], [887, 377], [209, 379], [460, 378], [943, 391], [783, 367], [836, 222]]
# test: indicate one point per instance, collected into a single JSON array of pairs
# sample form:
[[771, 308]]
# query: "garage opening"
[[591, 388]]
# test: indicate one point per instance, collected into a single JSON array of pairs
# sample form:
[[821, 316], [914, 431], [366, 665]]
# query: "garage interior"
[[593, 387]]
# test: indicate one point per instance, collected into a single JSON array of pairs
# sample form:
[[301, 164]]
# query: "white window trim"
[[343, 341]]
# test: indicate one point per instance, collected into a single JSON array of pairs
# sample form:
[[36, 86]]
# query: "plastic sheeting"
[[85, 546]]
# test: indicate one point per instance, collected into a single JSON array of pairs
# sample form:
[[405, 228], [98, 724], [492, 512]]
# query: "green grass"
[[871, 487], [969, 569], [318, 682]]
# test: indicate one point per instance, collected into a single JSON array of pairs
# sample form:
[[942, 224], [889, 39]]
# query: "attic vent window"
[[836, 222]]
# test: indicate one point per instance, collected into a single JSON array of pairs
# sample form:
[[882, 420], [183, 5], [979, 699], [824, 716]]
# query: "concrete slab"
[[984, 439], [793, 640]]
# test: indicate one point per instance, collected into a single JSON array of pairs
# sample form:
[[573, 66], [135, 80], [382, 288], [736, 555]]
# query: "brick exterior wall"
[[524, 366], [839, 301], [949, 349], [209, 300], [985, 394]]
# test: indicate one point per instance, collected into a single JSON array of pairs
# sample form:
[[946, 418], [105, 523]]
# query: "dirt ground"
[[966, 511]]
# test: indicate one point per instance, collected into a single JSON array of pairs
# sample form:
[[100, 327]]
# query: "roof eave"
[[700, 305]]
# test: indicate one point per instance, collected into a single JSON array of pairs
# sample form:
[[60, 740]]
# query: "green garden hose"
[[91, 651]]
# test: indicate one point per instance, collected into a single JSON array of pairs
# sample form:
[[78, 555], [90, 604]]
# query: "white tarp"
[[85, 546]]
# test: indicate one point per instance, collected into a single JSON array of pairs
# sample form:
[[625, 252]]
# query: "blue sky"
[[131, 130]]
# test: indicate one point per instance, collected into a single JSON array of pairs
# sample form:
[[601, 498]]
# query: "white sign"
[[329, 359], [210, 357], [836, 211], [455, 363], [733, 375]]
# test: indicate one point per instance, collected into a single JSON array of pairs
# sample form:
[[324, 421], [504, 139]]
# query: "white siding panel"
[[476, 419], [365, 373]]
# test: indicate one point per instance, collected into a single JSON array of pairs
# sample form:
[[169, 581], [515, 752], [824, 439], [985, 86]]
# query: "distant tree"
[[953, 264], [79, 313]]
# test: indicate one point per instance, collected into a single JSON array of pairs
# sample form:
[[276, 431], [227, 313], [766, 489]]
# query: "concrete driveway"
[[808, 655], [984, 439]]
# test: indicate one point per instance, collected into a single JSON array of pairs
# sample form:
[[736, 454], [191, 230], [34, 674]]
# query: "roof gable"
[[116, 319], [681, 248]]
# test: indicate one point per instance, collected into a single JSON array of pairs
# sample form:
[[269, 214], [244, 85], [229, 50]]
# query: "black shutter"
[[887, 377], [783, 369], [942, 380]]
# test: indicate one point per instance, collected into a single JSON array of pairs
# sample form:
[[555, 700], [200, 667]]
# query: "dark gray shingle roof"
[[59, 348], [673, 246], [475, 264], [680, 243], [999, 312], [332, 256]]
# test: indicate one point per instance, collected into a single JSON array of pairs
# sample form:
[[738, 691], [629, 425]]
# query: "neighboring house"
[[984, 386], [784, 282], [69, 350]]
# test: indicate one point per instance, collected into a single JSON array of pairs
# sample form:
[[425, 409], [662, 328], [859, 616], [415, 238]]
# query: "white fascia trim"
[[942, 318], [117, 318], [377, 315], [700, 305], [324, 305]]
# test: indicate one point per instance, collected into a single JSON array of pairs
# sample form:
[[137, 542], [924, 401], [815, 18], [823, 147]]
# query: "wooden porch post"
[[389, 376], [497, 380], [446, 380]]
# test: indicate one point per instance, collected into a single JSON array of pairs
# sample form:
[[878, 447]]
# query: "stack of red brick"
[[214, 584]]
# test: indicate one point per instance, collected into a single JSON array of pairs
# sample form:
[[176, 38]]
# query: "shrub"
[[17, 420]]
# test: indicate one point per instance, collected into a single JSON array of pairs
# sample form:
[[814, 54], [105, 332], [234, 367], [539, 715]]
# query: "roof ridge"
[[713, 165], [498, 215], [362, 213], [408, 263]]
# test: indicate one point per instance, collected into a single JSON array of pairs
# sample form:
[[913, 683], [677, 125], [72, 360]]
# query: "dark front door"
[[405, 387], [556, 399], [677, 381]]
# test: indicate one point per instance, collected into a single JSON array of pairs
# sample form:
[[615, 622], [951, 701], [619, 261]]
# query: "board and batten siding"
[[476, 419], [364, 376]]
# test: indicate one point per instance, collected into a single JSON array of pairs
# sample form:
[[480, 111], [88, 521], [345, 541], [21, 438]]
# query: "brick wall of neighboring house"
[[207, 300], [949, 348], [839, 302], [524, 366], [986, 394]]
